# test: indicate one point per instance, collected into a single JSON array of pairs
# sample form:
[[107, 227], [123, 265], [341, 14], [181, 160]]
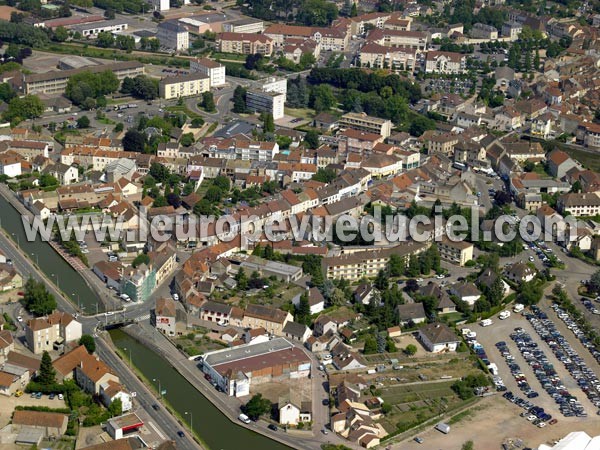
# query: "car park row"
[[572, 325], [534, 414], [564, 352], [515, 370], [545, 372]]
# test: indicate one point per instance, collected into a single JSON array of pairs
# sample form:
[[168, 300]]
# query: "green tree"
[[208, 102], [105, 39], [140, 259], [222, 182], [21, 108], [268, 123], [303, 310], [89, 343], [370, 345], [60, 34], [38, 300], [257, 406], [119, 127], [307, 60], [134, 141], [410, 350], [311, 138], [594, 284], [239, 100], [47, 374], [322, 98], [115, 408], [187, 139], [47, 180], [83, 122], [213, 194], [241, 279]]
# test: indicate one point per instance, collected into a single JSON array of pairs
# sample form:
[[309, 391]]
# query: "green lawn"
[[303, 113], [589, 160], [184, 109]]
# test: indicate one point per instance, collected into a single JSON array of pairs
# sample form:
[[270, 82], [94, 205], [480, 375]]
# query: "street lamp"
[[125, 349], [18, 240], [57, 280], [37, 259], [191, 421], [157, 380], [74, 294]]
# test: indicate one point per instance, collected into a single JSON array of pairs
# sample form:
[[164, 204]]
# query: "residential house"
[[411, 314], [559, 163], [294, 331], [467, 292], [165, 316], [50, 332], [315, 300], [520, 273], [437, 337], [271, 319]]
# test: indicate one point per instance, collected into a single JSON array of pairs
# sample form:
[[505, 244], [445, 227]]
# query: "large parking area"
[[536, 366]]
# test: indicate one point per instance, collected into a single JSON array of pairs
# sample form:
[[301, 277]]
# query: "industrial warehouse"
[[234, 369]]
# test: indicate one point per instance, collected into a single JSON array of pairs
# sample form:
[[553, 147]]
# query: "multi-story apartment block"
[[245, 43], [354, 141], [138, 283], [442, 143], [368, 263], [184, 85], [247, 25], [588, 134], [483, 31], [172, 35], [55, 82], [512, 30], [445, 62], [579, 204], [243, 149], [335, 38], [46, 333], [455, 252], [364, 122], [271, 102], [379, 56], [214, 70], [396, 38]]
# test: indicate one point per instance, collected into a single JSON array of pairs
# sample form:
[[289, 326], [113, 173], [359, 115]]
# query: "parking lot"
[[501, 331]]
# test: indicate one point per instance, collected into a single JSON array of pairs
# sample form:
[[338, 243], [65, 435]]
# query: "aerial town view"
[[301, 224]]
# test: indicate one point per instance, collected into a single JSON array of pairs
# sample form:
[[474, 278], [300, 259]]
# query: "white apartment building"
[[173, 36], [445, 62], [161, 5], [364, 122], [183, 85], [44, 333], [214, 70], [272, 102], [247, 25]]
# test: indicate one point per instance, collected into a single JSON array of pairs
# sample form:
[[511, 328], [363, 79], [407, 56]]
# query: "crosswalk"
[[143, 318]]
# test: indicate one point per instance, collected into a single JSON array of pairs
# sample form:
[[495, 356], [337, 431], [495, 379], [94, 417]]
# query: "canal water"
[[50, 262], [213, 427]]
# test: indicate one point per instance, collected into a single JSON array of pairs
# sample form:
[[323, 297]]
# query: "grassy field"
[[182, 108], [415, 404], [303, 113]]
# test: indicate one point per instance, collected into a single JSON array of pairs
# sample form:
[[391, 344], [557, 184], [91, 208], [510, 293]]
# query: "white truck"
[[518, 308], [486, 322], [443, 427], [504, 315]]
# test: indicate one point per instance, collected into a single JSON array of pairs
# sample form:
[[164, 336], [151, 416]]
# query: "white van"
[[518, 307], [486, 322], [504, 315], [244, 418], [125, 297], [443, 427]]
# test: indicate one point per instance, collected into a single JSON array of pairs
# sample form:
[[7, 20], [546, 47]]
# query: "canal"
[[213, 427], [50, 262]]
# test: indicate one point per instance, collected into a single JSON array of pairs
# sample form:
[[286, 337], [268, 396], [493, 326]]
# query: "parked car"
[[272, 427], [181, 434]]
